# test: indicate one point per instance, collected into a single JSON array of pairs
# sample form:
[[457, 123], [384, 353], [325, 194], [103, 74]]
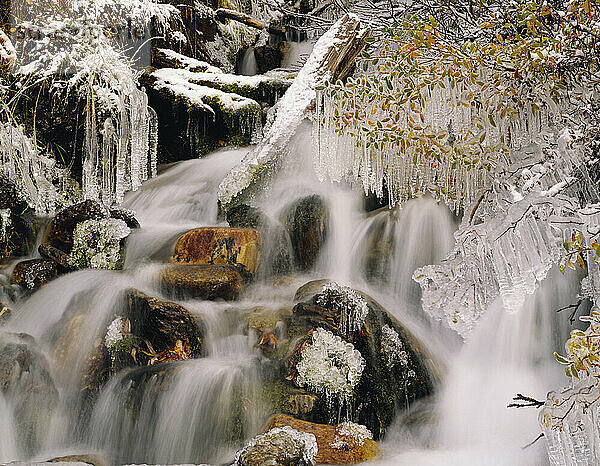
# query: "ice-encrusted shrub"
[[281, 445], [330, 366], [352, 307], [392, 347], [350, 434], [97, 243]]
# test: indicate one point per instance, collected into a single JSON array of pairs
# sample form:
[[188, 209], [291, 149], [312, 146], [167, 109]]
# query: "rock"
[[268, 57], [238, 247], [264, 319], [162, 323], [127, 216], [306, 221], [245, 216], [300, 404], [21, 228], [202, 282], [34, 273], [398, 368], [280, 446], [59, 232], [50, 252], [327, 436], [25, 375], [94, 460], [5, 314]]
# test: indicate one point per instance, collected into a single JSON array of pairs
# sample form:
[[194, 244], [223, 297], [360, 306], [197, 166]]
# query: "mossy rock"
[[34, 273], [210, 282], [306, 221], [385, 387]]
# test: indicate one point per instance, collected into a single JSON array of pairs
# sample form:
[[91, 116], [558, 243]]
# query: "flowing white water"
[[248, 66], [186, 412]]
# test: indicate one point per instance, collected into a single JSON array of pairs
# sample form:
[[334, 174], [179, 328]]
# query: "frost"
[[350, 435], [330, 366], [280, 444], [392, 347], [352, 307], [114, 333], [97, 243], [4, 223]]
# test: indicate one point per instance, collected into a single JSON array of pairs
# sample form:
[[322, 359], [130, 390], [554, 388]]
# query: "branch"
[[523, 401], [223, 13], [531, 443], [571, 306]]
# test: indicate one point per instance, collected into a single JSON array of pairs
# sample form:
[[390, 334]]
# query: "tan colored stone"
[[219, 246], [325, 435], [203, 282]]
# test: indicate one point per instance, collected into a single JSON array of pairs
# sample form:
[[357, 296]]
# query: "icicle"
[[4, 223]]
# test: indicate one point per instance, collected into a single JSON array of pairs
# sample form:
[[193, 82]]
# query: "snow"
[[189, 63]]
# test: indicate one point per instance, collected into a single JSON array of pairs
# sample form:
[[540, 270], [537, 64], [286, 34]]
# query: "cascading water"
[[248, 65], [175, 413]]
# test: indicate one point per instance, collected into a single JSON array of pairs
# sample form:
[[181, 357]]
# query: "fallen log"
[[8, 54], [331, 59], [223, 14]]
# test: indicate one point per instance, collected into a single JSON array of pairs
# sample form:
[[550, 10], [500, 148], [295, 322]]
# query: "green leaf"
[[560, 358], [491, 118]]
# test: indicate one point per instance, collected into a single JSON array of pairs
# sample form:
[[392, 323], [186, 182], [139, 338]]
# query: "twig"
[[571, 306], [523, 401], [536, 439]]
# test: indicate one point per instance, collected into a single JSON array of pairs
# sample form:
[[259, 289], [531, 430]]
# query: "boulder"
[[25, 375], [280, 446], [60, 257], [268, 57], [202, 282], [334, 446], [398, 368], [163, 323], [59, 232], [127, 216], [237, 247], [34, 273], [306, 222]]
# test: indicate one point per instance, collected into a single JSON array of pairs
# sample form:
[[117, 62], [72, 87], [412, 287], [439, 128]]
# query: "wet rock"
[[24, 373], [398, 369], [202, 282], [306, 221], [34, 273], [127, 216], [280, 446], [237, 247], [276, 253], [268, 57], [94, 460], [163, 323], [334, 447], [22, 226], [264, 319], [59, 232], [300, 404], [50, 252]]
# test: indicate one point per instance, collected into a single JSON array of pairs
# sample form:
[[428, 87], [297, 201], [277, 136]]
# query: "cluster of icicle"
[[330, 366], [23, 164], [343, 152], [570, 418], [352, 307], [72, 46], [525, 218]]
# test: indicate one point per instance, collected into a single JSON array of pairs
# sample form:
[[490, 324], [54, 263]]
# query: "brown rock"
[[59, 232], [300, 404], [326, 435], [162, 323], [219, 246], [203, 282], [34, 273], [50, 252]]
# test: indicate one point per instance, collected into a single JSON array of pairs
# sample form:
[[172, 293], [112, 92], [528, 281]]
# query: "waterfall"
[[248, 65]]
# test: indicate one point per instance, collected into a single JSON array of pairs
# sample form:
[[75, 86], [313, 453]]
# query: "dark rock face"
[[127, 216], [50, 252], [203, 282], [25, 378], [386, 386], [268, 57], [306, 222], [59, 232], [34, 273], [162, 323]]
